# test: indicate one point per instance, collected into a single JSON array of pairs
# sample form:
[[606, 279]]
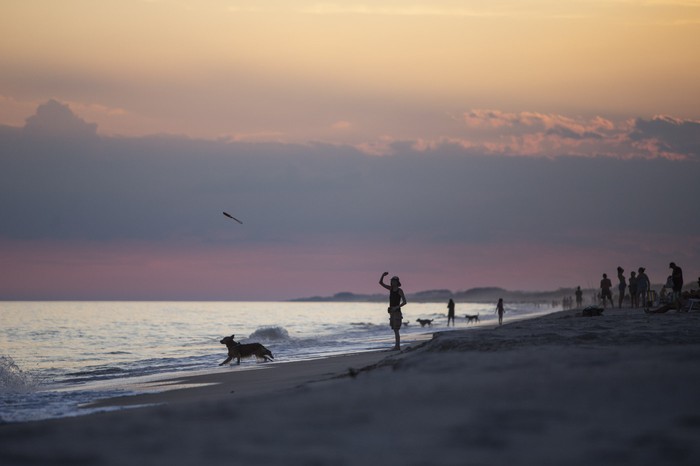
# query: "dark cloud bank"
[[60, 180]]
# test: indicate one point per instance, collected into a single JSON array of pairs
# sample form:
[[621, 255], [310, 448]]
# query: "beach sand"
[[619, 389]]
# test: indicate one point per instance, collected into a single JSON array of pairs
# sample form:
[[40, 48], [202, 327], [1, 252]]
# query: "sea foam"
[[12, 378], [270, 334]]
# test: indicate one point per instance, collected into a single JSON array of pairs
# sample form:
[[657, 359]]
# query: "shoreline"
[[242, 381], [247, 380], [615, 389]]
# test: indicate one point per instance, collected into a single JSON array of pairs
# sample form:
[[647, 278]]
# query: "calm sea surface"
[[56, 356]]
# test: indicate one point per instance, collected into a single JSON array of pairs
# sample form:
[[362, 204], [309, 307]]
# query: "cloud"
[[56, 119], [553, 135], [529, 122], [673, 137], [423, 205], [169, 187]]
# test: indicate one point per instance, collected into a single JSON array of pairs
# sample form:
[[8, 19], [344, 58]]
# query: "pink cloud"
[[552, 135]]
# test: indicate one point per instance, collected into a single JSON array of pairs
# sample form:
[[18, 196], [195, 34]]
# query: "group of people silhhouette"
[[397, 299], [638, 288]]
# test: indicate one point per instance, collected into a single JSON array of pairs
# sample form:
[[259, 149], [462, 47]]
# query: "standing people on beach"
[[605, 285], [396, 301], [634, 298], [579, 296], [622, 286], [643, 285], [677, 278], [500, 311], [451, 312]]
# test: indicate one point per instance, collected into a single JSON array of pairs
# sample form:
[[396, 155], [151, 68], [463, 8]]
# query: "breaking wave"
[[270, 334], [12, 378]]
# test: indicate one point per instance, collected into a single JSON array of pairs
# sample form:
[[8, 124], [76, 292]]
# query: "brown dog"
[[424, 322], [244, 350]]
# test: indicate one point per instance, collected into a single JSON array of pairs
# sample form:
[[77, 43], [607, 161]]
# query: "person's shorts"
[[606, 294], [395, 320]]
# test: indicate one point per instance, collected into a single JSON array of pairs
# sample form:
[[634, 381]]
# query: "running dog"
[[244, 350], [424, 322], [471, 319]]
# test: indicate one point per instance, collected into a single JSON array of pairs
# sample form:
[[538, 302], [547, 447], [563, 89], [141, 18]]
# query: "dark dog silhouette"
[[244, 350], [424, 322], [471, 318]]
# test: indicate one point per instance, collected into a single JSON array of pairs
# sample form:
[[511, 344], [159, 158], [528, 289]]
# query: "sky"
[[528, 144]]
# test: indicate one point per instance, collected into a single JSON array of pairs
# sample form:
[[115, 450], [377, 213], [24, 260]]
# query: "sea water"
[[55, 357]]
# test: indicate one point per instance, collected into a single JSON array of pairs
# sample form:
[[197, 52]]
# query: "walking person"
[[396, 301], [451, 312], [500, 311], [622, 286]]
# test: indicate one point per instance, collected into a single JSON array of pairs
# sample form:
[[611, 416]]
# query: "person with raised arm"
[[396, 301]]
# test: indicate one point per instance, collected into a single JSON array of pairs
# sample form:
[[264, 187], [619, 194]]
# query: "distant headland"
[[473, 295]]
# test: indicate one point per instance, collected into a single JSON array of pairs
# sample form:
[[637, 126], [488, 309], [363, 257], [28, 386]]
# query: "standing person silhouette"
[[643, 285], [396, 301], [605, 285], [634, 294], [451, 312], [579, 296], [677, 280], [500, 311], [622, 286]]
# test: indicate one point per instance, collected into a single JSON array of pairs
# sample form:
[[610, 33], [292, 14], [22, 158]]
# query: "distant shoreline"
[[473, 295]]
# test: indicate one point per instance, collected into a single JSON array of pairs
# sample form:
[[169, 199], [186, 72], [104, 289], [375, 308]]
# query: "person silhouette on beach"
[[634, 294], [622, 286], [643, 285], [396, 301], [605, 285], [451, 312], [579, 296], [677, 280], [500, 311]]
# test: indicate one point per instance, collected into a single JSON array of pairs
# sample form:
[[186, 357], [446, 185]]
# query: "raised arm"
[[381, 281]]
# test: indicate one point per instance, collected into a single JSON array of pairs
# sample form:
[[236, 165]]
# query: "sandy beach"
[[619, 389]]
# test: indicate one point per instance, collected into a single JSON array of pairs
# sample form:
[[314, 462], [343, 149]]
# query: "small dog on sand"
[[471, 318], [244, 350], [424, 322]]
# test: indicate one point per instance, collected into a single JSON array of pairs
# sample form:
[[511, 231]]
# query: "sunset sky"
[[524, 144]]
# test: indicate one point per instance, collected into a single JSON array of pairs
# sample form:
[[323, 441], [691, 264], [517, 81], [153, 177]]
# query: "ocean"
[[56, 357]]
